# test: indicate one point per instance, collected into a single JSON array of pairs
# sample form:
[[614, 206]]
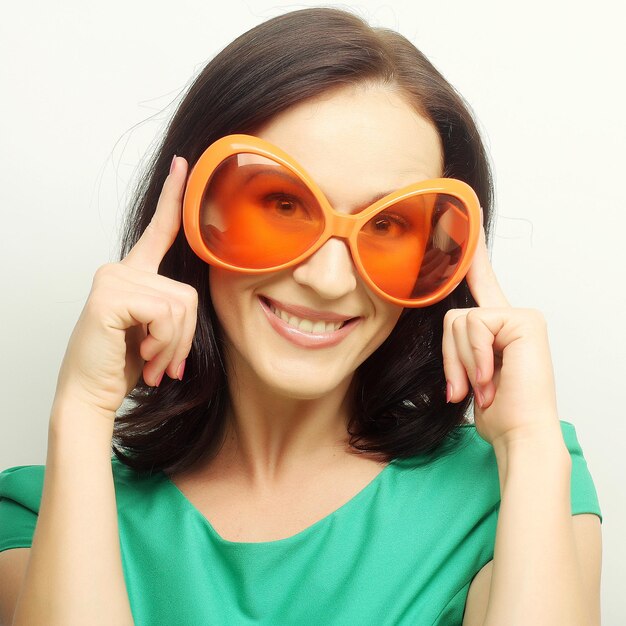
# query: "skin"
[[289, 409], [294, 404]]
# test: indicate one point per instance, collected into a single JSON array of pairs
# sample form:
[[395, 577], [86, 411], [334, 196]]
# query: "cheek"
[[226, 289], [218, 293], [388, 315]]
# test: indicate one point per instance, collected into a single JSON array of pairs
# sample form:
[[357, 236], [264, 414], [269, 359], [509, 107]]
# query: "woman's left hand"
[[503, 353]]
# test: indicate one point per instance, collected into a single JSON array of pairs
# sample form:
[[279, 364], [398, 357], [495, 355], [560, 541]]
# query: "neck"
[[268, 433]]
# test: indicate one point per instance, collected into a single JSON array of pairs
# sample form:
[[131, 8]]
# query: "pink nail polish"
[[181, 370], [159, 379], [172, 165], [449, 391]]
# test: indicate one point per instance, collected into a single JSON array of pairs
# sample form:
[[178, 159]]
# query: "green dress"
[[402, 551]]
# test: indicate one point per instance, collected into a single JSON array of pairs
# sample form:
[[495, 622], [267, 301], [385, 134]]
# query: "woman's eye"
[[387, 225], [286, 206], [382, 225]]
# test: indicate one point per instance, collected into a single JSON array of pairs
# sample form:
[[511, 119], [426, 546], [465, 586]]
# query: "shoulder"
[[465, 445], [23, 484], [461, 474], [20, 497], [463, 451], [465, 469]]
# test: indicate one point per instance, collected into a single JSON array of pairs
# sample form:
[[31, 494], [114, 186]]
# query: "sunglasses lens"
[[257, 213], [412, 248]]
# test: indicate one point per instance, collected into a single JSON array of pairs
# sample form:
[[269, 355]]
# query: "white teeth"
[[305, 325], [318, 327], [308, 326]]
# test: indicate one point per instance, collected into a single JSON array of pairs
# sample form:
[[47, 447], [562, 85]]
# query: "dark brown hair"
[[399, 391]]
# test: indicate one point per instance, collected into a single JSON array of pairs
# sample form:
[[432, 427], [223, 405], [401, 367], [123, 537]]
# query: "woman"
[[273, 470]]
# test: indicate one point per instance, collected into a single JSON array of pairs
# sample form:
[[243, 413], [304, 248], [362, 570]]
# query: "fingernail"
[[449, 391], [181, 370], [172, 165], [159, 379]]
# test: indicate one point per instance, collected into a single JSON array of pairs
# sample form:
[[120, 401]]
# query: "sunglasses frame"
[[341, 225]]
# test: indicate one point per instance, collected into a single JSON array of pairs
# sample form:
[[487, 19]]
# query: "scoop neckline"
[[361, 494]]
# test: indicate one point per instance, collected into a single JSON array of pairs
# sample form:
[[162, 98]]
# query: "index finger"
[[481, 279], [161, 232]]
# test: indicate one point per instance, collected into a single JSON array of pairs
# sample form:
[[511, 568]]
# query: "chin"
[[296, 381], [308, 387]]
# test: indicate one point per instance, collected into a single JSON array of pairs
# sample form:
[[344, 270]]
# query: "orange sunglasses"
[[249, 207]]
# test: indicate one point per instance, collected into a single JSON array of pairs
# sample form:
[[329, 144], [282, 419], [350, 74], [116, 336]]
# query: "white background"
[[86, 87]]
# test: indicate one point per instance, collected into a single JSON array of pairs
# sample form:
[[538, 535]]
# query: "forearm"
[[536, 577], [74, 575]]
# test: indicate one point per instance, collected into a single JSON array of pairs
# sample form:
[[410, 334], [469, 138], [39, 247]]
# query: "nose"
[[329, 271]]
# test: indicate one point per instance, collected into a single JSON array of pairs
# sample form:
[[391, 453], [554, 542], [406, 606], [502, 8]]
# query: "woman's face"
[[358, 143]]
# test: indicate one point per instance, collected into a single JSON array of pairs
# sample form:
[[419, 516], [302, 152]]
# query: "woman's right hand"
[[134, 319]]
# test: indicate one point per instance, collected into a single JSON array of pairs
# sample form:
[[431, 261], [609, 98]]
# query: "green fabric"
[[402, 551]]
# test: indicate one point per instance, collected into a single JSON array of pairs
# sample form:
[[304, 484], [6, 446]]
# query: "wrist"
[[532, 459], [77, 425], [542, 445], [542, 432]]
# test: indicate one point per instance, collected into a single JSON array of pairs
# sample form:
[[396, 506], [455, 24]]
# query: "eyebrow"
[[274, 172], [374, 198], [297, 181]]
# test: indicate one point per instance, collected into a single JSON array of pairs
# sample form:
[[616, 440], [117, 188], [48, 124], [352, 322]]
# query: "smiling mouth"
[[311, 326]]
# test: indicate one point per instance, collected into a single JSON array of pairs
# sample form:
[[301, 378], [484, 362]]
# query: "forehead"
[[358, 140]]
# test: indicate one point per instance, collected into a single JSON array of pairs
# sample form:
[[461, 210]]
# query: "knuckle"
[[190, 293], [458, 323], [190, 298], [104, 272], [162, 334], [162, 308], [473, 316], [477, 346], [450, 316], [178, 310], [103, 292]]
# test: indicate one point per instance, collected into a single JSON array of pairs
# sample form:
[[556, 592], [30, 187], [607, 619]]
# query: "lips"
[[307, 327]]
